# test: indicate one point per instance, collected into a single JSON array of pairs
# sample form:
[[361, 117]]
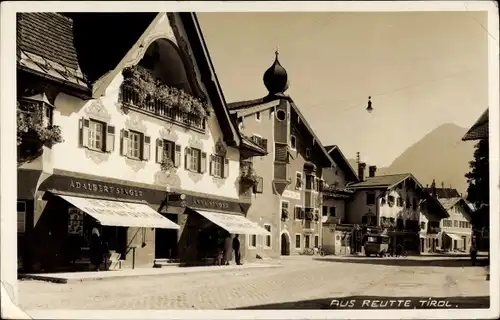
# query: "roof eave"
[[318, 141], [209, 78], [76, 90]]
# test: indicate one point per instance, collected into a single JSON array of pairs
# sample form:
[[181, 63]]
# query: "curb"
[[117, 277]]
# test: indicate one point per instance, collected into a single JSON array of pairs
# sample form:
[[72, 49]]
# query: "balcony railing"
[[161, 110], [433, 230]]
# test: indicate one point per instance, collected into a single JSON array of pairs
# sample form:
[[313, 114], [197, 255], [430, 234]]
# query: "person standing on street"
[[236, 248], [96, 248], [473, 253], [227, 249]]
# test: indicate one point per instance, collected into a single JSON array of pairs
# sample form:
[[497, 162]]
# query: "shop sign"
[[102, 188], [209, 203]]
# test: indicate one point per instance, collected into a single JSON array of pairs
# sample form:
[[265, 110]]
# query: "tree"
[[478, 191]]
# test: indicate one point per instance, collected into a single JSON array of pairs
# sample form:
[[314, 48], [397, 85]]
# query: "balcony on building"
[[161, 86], [433, 227]]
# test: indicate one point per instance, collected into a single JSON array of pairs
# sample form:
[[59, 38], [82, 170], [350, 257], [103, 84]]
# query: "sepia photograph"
[[242, 158]]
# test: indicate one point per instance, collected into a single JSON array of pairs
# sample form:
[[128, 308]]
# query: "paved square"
[[301, 278]]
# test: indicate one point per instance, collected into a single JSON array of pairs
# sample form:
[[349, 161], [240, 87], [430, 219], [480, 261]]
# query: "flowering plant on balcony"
[[31, 128], [167, 165], [148, 90], [249, 177]]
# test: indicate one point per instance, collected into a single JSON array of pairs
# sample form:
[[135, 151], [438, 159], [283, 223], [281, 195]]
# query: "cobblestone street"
[[300, 278]]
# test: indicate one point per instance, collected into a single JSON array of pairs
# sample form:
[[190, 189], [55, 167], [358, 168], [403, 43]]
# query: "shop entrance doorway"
[[166, 240]]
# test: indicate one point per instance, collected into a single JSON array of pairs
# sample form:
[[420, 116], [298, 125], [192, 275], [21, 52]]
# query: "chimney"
[[433, 186], [371, 171], [361, 171], [442, 185]]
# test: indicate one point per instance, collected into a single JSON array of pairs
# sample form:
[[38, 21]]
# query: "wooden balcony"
[[162, 111], [433, 230]]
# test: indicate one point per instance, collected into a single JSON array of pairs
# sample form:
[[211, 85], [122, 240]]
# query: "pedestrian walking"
[[228, 256], [236, 248], [96, 248], [473, 254]]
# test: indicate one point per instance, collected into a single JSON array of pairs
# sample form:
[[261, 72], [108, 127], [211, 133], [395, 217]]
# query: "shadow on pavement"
[[381, 302], [409, 262]]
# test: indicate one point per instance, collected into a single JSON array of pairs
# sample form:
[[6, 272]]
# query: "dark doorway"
[[166, 240], [285, 245]]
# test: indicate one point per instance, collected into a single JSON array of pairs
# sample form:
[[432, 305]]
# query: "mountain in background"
[[440, 155]]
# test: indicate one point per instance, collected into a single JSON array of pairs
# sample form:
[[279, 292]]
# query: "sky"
[[422, 70]]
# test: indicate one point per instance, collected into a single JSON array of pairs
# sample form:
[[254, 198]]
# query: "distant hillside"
[[440, 155]]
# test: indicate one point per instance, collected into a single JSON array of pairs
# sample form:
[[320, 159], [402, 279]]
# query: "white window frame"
[[268, 236], [250, 237], [131, 147], [93, 134], [23, 213], [308, 237], [287, 208], [297, 206], [195, 158], [293, 146], [258, 116], [295, 241], [302, 182], [218, 165]]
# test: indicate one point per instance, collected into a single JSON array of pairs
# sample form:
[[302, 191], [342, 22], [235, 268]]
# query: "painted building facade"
[[393, 202], [457, 228], [169, 146], [336, 234], [287, 198]]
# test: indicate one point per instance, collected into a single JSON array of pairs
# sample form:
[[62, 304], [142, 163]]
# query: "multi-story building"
[[131, 133], [335, 196], [393, 202], [457, 228], [286, 195]]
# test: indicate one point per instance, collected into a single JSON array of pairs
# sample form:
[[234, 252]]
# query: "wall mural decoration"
[[195, 142], [96, 110], [167, 133], [164, 179]]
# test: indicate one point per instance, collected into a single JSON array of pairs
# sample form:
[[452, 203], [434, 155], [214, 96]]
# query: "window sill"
[[96, 150], [135, 159], [268, 248], [252, 248]]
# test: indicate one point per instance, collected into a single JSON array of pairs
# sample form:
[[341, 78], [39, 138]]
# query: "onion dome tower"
[[276, 78]]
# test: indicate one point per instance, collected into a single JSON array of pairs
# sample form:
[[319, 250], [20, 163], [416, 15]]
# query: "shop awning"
[[233, 223], [121, 214], [454, 236]]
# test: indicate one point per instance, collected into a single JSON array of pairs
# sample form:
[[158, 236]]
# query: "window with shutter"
[[124, 142], [177, 156], [84, 132], [135, 144], [159, 150], [203, 162], [226, 168], [187, 158], [297, 214], [217, 166], [264, 144], [146, 148], [110, 139], [259, 187]]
